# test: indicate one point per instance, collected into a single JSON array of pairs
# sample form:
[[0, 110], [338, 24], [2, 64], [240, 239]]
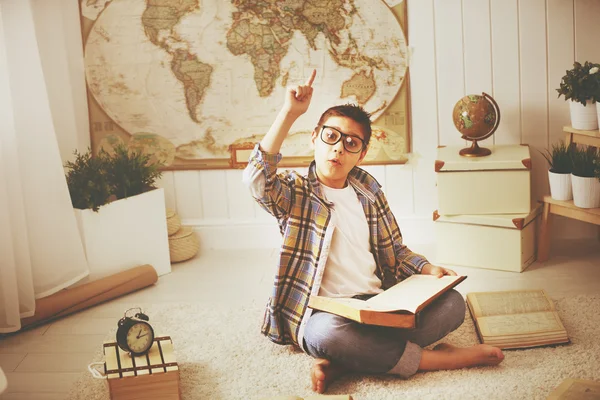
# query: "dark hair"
[[352, 111]]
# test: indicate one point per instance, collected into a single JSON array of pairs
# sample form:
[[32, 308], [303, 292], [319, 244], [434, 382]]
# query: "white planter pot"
[[586, 192], [584, 118], [560, 186], [124, 234]]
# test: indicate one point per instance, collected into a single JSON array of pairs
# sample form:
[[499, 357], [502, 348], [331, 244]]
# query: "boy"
[[340, 239]]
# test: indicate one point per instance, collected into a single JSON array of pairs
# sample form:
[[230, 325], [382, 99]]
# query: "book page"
[[328, 304], [509, 302], [413, 292], [520, 324]]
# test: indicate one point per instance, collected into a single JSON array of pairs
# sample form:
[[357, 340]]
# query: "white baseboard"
[[227, 234], [417, 232]]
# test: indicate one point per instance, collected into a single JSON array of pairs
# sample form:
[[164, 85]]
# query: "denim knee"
[[358, 347], [455, 305], [438, 319], [316, 335]]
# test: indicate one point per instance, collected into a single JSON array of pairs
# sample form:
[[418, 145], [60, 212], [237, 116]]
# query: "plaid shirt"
[[303, 214]]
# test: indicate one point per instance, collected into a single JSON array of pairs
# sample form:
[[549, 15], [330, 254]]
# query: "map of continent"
[[190, 81]]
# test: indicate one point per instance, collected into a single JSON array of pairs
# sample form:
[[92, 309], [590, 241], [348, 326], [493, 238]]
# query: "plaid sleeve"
[[272, 191]]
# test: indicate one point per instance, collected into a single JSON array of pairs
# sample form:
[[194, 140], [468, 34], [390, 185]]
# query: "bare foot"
[[447, 356], [323, 373]]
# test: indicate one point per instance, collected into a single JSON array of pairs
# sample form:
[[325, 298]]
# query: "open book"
[[397, 307], [515, 319], [576, 389]]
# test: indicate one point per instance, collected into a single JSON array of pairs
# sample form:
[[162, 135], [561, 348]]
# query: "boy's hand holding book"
[[430, 269]]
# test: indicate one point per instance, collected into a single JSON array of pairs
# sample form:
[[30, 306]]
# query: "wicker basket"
[[173, 222], [183, 245]]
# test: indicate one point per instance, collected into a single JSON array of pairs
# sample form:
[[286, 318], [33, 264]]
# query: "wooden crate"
[[154, 376]]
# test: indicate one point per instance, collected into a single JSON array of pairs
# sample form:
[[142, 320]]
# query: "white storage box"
[[504, 242], [495, 184]]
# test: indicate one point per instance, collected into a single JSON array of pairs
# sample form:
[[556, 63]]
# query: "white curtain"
[[40, 248]]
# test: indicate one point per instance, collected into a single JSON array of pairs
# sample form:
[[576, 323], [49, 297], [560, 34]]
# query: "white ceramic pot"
[[560, 186], [584, 117], [586, 192]]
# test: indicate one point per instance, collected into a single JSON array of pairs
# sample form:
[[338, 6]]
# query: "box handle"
[[95, 373]]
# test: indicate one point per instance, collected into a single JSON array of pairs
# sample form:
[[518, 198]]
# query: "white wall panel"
[[241, 205], [534, 90], [426, 112], [561, 54], [587, 30], [261, 214], [189, 198], [505, 68], [214, 193], [399, 189], [167, 182], [450, 68], [378, 172], [477, 50]]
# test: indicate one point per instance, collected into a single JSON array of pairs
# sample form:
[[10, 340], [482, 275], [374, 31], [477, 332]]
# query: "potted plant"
[[559, 174], [87, 181], [119, 211], [580, 87], [586, 186]]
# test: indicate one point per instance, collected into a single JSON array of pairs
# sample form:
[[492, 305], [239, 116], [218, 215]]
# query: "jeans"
[[377, 349]]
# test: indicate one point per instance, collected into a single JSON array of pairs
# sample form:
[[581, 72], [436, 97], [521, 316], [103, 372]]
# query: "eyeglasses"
[[352, 143]]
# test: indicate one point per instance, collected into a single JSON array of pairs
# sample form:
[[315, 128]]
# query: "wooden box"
[[503, 242], [154, 376], [495, 184]]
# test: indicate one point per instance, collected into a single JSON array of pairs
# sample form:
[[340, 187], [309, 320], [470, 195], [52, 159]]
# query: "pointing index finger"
[[311, 79]]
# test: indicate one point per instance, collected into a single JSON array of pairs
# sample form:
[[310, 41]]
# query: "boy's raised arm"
[[297, 100]]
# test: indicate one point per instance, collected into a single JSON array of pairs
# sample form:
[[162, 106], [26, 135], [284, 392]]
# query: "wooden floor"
[[41, 364]]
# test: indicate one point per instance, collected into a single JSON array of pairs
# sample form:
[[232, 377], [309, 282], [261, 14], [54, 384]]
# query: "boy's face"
[[334, 161]]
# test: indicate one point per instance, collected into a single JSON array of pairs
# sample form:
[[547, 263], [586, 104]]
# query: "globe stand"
[[475, 151]]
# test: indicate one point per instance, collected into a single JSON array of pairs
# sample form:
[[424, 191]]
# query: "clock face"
[[140, 337]]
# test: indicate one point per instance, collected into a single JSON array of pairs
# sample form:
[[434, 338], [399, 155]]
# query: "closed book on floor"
[[397, 307], [516, 319]]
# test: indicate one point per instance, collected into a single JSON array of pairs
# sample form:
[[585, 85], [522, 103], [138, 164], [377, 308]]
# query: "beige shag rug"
[[222, 355]]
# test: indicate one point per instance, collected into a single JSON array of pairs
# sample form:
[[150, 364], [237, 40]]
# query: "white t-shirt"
[[350, 267]]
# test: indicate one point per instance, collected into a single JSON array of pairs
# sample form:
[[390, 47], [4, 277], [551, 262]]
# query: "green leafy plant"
[[585, 161], [581, 83], [87, 181], [130, 172], [559, 158], [94, 181]]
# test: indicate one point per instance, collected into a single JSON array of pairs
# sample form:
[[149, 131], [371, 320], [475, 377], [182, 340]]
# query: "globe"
[[477, 118]]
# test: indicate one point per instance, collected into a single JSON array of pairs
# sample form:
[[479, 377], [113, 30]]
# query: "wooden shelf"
[[590, 138], [567, 208]]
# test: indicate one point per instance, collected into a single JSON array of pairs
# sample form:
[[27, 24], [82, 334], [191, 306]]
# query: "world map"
[[193, 81]]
